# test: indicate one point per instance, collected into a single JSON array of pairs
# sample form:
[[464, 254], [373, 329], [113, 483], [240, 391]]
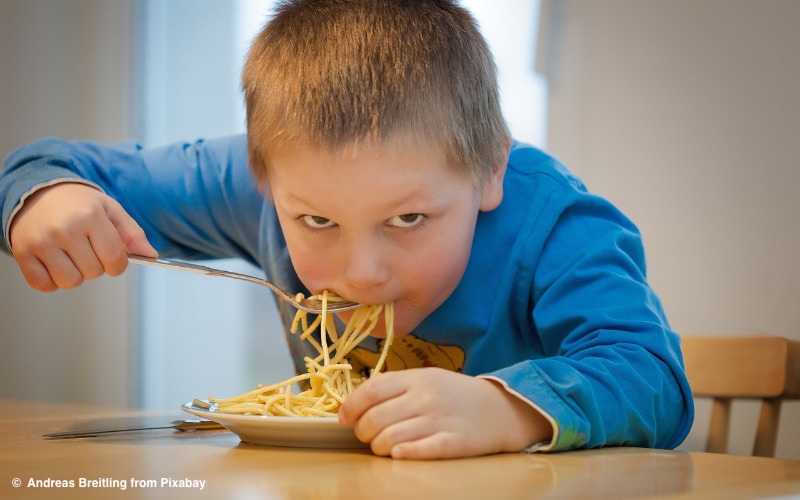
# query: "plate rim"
[[274, 419], [261, 429]]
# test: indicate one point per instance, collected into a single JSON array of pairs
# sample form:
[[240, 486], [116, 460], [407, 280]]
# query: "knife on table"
[[118, 425]]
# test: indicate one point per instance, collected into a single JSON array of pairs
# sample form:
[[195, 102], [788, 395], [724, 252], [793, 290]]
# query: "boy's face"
[[379, 224]]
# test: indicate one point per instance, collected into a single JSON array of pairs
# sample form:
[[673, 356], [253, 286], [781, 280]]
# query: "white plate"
[[300, 432]]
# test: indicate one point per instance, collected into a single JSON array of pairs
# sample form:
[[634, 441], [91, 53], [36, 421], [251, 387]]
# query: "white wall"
[[157, 72], [686, 113], [510, 28], [65, 70], [201, 336]]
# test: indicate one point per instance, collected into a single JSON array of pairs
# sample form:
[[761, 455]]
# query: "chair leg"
[[717, 441], [767, 433]]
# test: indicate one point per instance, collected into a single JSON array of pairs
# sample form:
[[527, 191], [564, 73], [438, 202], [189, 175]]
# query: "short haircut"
[[338, 73]]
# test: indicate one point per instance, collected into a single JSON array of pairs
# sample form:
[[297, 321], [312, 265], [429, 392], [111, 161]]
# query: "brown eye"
[[317, 222], [406, 220]]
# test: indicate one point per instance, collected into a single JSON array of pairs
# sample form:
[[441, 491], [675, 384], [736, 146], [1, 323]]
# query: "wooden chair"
[[728, 368]]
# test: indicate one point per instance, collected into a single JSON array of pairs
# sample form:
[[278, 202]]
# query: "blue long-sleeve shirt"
[[554, 302]]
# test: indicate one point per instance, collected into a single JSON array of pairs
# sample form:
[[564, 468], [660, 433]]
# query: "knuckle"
[[70, 281], [93, 273], [44, 242], [115, 269], [379, 448], [115, 263], [29, 248], [41, 284], [370, 393], [363, 429], [447, 445], [37, 277]]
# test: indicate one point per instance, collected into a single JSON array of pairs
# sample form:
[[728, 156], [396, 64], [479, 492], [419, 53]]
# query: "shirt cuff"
[[534, 447]]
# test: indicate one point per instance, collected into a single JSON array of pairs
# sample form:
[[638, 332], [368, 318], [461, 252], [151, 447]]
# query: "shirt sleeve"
[[194, 200], [612, 373]]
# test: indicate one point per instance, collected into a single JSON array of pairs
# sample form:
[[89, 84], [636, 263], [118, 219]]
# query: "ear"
[[492, 192]]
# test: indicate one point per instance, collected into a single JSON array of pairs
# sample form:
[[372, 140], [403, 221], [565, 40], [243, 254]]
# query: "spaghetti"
[[330, 378]]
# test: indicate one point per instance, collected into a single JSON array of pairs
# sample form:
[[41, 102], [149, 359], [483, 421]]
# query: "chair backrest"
[[728, 368]]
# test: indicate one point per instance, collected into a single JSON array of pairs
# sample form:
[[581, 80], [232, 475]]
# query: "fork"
[[312, 305]]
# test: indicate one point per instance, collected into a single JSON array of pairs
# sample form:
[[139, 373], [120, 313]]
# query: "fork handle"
[[193, 268], [313, 306]]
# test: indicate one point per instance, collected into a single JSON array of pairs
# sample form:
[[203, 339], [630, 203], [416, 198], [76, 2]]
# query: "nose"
[[366, 266]]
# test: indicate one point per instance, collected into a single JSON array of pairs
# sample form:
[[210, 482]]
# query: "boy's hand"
[[70, 232], [430, 413]]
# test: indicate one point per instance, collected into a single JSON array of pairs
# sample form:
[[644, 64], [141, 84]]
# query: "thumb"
[[131, 234], [140, 246]]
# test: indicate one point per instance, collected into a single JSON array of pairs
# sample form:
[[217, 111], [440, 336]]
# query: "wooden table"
[[231, 469]]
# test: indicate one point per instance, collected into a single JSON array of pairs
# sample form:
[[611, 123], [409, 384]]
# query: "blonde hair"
[[338, 73]]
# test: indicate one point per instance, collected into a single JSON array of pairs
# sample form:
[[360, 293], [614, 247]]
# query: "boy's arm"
[[193, 200], [613, 372]]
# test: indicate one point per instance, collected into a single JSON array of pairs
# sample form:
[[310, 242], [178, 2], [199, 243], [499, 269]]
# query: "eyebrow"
[[430, 202]]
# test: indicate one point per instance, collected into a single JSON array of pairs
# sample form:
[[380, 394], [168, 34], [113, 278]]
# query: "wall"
[[201, 336], [66, 71], [686, 114], [152, 338]]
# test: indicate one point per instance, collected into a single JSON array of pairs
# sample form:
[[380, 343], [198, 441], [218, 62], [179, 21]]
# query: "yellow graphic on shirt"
[[409, 351]]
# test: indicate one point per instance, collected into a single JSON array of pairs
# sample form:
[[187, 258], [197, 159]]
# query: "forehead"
[[418, 154], [368, 160], [362, 175]]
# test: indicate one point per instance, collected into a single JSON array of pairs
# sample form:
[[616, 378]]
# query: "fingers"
[[431, 413], [396, 418], [378, 416], [47, 266], [84, 263], [384, 413], [123, 236], [35, 273], [440, 445], [69, 233], [372, 393], [410, 434]]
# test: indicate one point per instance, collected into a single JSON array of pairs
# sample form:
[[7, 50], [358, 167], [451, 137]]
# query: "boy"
[[382, 170]]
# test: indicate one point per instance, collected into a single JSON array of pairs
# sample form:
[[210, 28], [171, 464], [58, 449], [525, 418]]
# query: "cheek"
[[442, 264], [438, 269], [307, 268], [314, 270], [312, 264]]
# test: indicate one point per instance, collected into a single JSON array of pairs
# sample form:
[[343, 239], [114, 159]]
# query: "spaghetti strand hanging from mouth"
[[329, 375]]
